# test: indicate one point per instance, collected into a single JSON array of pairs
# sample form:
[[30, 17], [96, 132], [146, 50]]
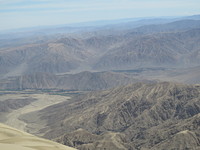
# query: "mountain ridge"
[[104, 50], [85, 81], [142, 114]]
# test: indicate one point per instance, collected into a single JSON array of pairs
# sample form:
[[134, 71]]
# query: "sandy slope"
[[13, 139], [43, 100]]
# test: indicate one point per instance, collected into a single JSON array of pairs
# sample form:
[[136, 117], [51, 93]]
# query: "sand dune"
[[11, 138]]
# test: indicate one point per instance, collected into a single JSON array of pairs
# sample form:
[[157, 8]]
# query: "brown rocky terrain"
[[136, 116], [164, 45], [178, 49], [85, 81]]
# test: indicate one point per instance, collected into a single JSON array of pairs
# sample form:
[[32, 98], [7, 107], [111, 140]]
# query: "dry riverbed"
[[41, 101]]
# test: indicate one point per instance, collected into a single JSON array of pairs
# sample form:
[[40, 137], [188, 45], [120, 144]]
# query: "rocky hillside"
[[85, 81], [53, 57], [169, 44], [179, 49], [136, 116], [60, 55]]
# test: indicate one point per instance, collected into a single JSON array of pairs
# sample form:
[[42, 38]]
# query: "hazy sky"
[[27, 13]]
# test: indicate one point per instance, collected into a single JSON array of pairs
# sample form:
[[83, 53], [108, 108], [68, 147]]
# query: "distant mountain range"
[[174, 44], [178, 49]]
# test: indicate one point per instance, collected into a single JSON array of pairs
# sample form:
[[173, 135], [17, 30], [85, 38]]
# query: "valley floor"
[[41, 101]]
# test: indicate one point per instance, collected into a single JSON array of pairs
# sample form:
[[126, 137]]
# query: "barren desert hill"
[[11, 138], [174, 49], [128, 49], [91, 81], [84, 81], [181, 140], [135, 116]]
